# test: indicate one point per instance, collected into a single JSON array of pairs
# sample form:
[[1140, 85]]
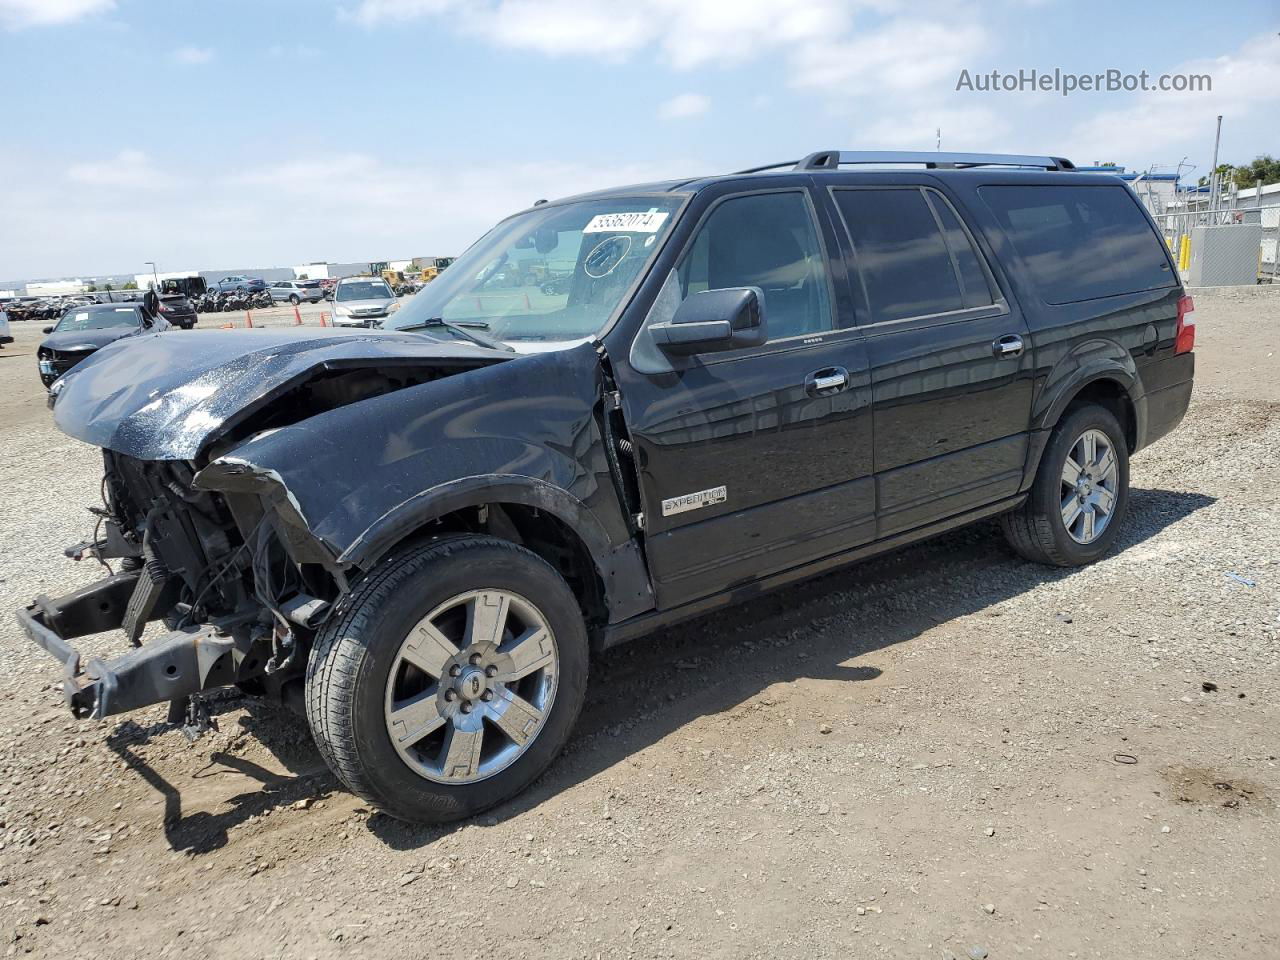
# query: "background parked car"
[[178, 310], [295, 291], [5, 336], [86, 329], [252, 284], [362, 301]]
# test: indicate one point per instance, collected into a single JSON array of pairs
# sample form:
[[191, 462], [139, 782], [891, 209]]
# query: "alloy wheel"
[[1090, 476], [471, 686]]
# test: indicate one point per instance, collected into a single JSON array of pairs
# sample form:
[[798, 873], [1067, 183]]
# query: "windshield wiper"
[[461, 330]]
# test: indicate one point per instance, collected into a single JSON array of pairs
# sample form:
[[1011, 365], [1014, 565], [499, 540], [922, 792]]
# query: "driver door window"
[[767, 241]]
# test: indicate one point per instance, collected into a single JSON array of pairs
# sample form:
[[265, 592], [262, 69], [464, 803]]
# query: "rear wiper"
[[461, 330]]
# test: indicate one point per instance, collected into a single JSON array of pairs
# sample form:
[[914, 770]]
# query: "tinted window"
[[901, 254], [1081, 242], [973, 279], [766, 241]]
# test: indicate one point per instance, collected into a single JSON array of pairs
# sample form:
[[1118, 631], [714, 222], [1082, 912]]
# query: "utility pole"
[[156, 276], [1213, 173], [938, 145]]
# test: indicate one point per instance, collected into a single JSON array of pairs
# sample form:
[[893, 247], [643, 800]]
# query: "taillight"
[[1185, 339], [164, 309]]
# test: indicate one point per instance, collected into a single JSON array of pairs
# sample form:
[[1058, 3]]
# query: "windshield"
[[364, 290], [552, 273], [76, 320]]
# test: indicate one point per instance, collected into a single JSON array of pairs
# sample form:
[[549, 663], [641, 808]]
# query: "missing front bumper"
[[170, 668]]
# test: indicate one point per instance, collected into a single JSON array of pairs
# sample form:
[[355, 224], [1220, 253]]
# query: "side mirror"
[[714, 320], [47, 330]]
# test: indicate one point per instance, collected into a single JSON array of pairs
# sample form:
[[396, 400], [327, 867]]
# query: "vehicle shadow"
[[644, 691], [282, 732]]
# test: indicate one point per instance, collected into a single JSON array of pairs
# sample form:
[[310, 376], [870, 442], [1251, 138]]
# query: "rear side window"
[[1081, 242], [914, 257]]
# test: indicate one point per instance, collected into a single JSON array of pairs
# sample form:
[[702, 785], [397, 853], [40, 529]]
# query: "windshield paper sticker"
[[640, 221]]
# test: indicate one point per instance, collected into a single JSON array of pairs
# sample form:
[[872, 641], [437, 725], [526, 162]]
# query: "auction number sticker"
[[639, 221]]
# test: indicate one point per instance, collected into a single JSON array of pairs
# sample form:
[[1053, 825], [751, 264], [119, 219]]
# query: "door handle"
[[1010, 345], [829, 380]]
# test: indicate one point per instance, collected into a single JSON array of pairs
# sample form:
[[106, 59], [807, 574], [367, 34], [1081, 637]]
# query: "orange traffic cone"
[[297, 317], [248, 319]]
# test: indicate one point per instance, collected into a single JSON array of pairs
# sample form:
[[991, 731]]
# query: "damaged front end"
[[211, 567], [233, 574]]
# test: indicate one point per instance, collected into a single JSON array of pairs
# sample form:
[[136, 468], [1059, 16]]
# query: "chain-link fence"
[[1229, 238]]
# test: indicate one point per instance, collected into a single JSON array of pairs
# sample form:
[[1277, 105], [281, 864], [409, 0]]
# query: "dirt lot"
[[944, 752]]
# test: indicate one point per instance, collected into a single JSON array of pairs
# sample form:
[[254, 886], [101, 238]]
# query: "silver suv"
[[295, 291], [363, 302]]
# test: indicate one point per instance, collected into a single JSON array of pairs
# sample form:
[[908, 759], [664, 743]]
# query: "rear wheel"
[[1081, 492], [452, 681]]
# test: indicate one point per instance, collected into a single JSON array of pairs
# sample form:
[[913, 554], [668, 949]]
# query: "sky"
[[256, 133]]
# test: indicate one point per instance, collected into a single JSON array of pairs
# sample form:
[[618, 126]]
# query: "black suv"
[[614, 412]]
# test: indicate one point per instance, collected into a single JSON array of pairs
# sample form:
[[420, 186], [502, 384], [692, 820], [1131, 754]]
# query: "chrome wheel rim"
[[471, 686], [1090, 478]]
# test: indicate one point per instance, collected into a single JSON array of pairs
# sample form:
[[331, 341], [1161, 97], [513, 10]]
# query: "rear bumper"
[[1169, 387], [179, 664]]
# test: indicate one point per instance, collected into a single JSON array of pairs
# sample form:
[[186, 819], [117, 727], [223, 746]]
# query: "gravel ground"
[[944, 752]]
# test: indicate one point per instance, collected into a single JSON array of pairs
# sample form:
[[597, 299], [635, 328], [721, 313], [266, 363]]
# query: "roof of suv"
[[844, 161]]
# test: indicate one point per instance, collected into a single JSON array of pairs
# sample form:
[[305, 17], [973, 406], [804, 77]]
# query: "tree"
[[1265, 168], [131, 285]]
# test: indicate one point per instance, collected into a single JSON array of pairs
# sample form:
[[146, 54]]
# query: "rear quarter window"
[[1081, 242]]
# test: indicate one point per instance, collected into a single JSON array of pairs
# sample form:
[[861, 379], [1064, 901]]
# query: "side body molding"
[[352, 482]]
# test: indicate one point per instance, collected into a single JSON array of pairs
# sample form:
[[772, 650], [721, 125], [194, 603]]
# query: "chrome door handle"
[[832, 381], [1008, 346]]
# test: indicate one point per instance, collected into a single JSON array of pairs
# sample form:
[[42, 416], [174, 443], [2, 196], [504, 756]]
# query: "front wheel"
[[452, 679], [293, 298], [1073, 513]]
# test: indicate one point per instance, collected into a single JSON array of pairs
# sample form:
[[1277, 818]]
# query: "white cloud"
[[128, 168], [191, 56], [684, 105], [15, 14], [208, 212], [977, 129], [1162, 126], [903, 55], [823, 43]]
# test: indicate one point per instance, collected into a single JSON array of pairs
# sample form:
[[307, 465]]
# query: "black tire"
[[293, 298], [353, 655], [1036, 529]]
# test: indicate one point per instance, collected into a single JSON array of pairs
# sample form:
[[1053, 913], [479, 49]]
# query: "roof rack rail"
[[833, 159], [785, 164]]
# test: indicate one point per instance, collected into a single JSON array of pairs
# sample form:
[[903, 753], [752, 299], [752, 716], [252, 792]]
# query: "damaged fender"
[[409, 457]]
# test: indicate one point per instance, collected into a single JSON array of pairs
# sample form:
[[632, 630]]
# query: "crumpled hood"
[[71, 341], [167, 397]]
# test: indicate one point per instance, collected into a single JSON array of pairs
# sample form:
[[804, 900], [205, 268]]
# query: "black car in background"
[[86, 329], [419, 537], [176, 300]]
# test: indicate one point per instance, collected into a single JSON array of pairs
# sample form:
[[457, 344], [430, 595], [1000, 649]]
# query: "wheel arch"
[[611, 583], [1110, 379]]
